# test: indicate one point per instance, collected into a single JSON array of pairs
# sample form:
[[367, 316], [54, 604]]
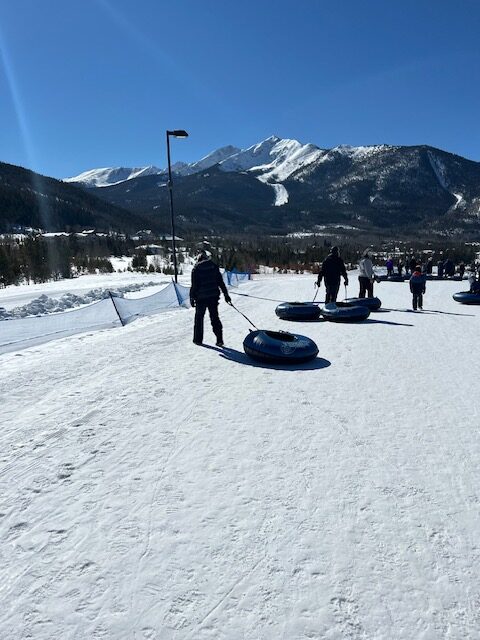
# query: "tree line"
[[37, 259]]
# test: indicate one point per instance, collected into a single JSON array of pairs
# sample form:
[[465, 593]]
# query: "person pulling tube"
[[331, 269], [207, 282]]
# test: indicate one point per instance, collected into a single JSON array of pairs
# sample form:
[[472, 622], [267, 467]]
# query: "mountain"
[[281, 185], [28, 199], [107, 177]]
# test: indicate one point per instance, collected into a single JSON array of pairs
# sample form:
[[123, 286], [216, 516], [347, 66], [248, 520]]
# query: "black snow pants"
[[417, 301], [366, 286], [331, 290], [200, 308]]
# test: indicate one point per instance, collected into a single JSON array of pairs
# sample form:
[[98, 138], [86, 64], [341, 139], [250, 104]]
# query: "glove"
[[346, 282], [228, 300], [192, 302]]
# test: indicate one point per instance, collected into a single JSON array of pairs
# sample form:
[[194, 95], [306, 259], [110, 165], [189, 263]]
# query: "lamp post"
[[178, 133]]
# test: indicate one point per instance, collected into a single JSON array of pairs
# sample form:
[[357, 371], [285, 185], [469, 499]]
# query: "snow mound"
[[44, 305]]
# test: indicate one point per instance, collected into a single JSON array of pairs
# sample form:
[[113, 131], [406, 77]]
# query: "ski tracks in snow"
[[152, 489]]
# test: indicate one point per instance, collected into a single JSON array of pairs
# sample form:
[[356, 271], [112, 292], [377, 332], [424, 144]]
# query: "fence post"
[[180, 302], [115, 307]]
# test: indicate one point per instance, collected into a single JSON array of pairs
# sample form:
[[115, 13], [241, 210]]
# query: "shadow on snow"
[[241, 358]]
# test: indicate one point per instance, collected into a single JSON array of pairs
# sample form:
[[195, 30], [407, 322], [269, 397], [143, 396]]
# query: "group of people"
[[445, 268], [207, 284], [333, 269]]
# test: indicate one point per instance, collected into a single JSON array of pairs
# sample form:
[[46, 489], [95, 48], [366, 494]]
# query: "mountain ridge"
[[379, 186]]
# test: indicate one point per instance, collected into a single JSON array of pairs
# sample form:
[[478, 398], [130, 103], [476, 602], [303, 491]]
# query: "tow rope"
[[242, 314], [248, 295]]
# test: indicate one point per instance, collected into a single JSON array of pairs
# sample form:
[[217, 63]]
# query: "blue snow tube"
[[372, 303], [465, 297], [341, 312], [300, 311], [395, 278], [279, 347]]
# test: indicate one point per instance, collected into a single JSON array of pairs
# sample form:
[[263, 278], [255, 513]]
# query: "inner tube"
[[465, 297], [372, 303], [279, 346], [341, 312], [300, 311], [395, 278]]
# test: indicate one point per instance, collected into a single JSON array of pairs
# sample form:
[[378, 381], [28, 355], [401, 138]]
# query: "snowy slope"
[[219, 155], [275, 158], [107, 176], [203, 496]]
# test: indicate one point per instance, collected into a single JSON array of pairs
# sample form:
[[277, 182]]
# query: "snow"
[[459, 198], [281, 193], [108, 176], [44, 305], [275, 158], [16, 296], [150, 488]]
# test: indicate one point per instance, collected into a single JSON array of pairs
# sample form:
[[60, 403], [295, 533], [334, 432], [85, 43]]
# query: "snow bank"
[[114, 311], [44, 305]]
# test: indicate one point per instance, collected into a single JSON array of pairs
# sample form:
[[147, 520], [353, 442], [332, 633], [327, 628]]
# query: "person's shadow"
[[241, 358], [445, 313], [393, 324]]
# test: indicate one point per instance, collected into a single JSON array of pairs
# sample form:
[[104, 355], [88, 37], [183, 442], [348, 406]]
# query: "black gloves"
[[192, 302], [228, 300]]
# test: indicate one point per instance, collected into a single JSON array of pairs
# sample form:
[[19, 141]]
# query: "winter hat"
[[202, 256], [334, 251], [418, 267], [366, 253]]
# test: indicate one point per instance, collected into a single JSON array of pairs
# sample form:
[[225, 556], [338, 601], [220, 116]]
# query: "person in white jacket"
[[366, 276]]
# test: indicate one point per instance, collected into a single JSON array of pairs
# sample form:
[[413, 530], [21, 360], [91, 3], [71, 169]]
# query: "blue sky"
[[96, 83]]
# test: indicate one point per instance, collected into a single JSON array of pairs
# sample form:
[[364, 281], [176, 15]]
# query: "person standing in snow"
[[418, 283], [331, 269], [207, 282], [400, 266], [412, 263], [429, 267], [389, 265], [449, 268], [461, 270], [366, 276]]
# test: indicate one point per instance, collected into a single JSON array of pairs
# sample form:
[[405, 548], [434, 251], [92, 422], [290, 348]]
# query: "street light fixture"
[[177, 133]]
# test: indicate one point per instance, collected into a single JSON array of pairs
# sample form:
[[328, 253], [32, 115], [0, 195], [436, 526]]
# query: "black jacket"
[[207, 282], [332, 268], [418, 283]]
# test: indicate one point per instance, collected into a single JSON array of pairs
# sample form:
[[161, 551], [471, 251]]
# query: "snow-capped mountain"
[[272, 160], [275, 159], [107, 176], [280, 183], [213, 158]]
